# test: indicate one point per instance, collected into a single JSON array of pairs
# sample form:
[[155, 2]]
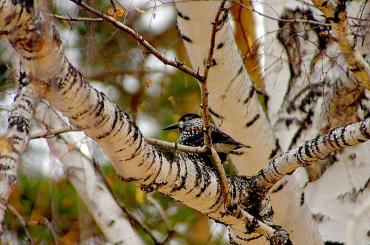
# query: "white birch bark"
[[232, 97], [336, 107], [14, 142]]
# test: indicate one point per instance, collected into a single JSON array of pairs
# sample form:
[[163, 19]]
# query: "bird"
[[192, 129]]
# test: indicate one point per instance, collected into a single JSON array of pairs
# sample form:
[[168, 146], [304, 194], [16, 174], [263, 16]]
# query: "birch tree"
[[303, 112]]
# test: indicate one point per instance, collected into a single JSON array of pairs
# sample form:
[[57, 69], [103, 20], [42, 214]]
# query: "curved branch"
[[319, 148]]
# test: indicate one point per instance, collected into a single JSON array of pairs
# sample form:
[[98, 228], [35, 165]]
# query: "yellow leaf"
[[140, 196], [148, 83], [117, 10], [111, 11]]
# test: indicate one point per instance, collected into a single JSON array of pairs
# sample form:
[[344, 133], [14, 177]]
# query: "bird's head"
[[182, 121]]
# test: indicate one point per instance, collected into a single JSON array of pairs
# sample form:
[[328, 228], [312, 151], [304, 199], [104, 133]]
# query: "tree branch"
[[337, 17], [218, 23], [69, 18], [318, 148], [164, 217], [53, 132], [168, 145], [15, 141], [176, 146], [46, 222], [22, 221]]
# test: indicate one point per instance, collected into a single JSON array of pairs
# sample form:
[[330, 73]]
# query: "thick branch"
[[15, 141], [319, 148]]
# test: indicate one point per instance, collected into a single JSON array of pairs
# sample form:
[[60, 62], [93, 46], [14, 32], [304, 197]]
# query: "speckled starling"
[[192, 134]]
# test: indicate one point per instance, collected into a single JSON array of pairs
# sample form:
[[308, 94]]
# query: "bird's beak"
[[172, 126]]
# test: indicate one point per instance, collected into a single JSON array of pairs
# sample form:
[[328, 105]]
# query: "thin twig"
[[175, 146], [46, 222], [252, 8], [141, 40], [138, 223], [22, 221], [69, 18], [164, 217], [53, 132], [169, 145], [261, 227], [160, 210], [204, 96]]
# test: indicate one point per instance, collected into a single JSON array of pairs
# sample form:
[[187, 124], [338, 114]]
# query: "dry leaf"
[[117, 11], [148, 83]]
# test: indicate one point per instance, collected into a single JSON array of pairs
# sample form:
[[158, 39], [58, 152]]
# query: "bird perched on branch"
[[192, 129]]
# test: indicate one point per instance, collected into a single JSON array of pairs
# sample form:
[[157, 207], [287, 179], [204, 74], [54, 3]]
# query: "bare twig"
[[252, 8], [164, 217], [46, 222], [160, 210], [169, 145], [175, 146], [141, 40], [21, 221], [53, 132], [69, 18], [138, 223], [204, 96], [261, 228]]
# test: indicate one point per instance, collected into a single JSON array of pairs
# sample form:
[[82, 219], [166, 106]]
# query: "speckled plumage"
[[192, 134]]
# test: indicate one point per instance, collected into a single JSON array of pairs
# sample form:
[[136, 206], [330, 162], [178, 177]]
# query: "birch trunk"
[[320, 94]]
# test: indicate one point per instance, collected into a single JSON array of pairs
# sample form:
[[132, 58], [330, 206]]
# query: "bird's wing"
[[219, 136], [194, 139]]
